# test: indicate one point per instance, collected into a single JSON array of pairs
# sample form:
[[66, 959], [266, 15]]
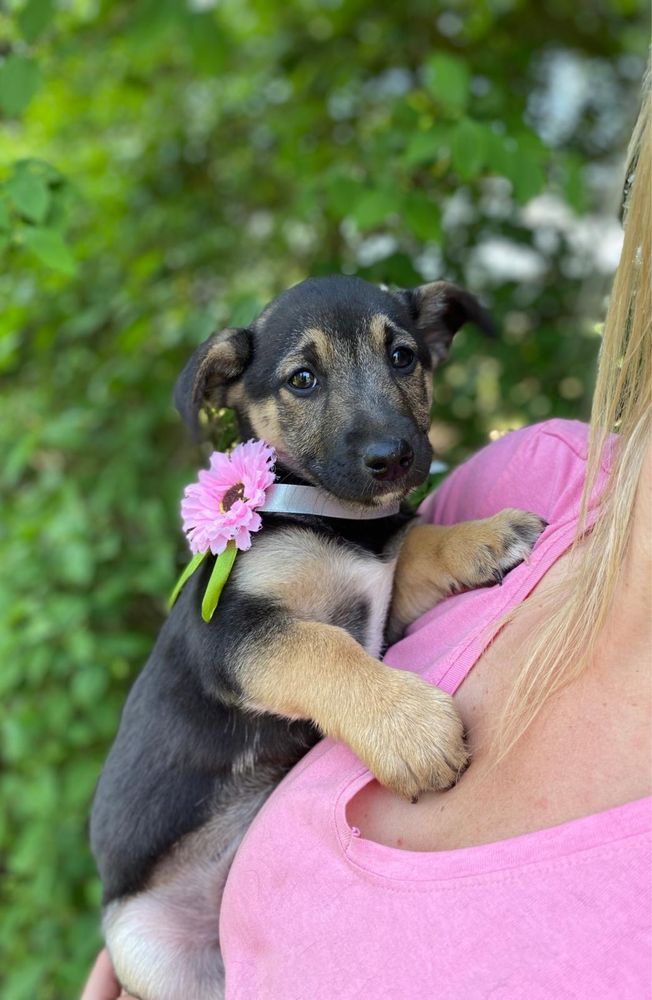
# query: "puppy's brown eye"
[[302, 382], [402, 357]]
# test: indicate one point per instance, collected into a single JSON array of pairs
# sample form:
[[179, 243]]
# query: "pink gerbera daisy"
[[221, 506]]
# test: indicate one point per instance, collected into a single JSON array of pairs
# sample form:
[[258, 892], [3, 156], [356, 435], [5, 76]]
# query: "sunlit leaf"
[[343, 193], [373, 207], [528, 177], [19, 80], [49, 246], [423, 216], [468, 148], [245, 310], [30, 194], [574, 184], [35, 17], [447, 78], [426, 146], [207, 42]]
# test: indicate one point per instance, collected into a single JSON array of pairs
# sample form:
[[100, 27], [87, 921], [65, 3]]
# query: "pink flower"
[[221, 507]]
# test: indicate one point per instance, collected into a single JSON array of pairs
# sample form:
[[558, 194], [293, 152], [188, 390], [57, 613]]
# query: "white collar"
[[282, 498]]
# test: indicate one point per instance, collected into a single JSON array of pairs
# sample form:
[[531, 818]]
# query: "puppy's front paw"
[[506, 540], [413, 740]]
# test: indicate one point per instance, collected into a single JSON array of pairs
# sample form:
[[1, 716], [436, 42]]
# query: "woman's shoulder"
[[539, 468]]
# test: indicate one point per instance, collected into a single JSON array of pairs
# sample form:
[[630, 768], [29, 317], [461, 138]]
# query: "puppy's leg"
[[163, 941], [406, 731], [435, 561]]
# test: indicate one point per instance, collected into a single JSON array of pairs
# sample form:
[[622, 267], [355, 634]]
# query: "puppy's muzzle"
[[388, 460]]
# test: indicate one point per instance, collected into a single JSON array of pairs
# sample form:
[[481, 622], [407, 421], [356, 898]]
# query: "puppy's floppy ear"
[[439, 309], [219, 360]]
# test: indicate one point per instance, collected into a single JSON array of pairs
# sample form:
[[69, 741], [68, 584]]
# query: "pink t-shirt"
[[312, 911]]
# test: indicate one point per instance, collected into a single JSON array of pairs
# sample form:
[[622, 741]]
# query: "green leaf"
[[447, 78], [528, 178], [519, 160], [207, 42], [373, 208], [424, 147], [343, 193], [468, 148], [4, 215], [245, 310], [422, 216], [48, 245], [500, 153], [574, 184], [19, 80], [34, 18], [194, 563], [219, 576], [30, 195]]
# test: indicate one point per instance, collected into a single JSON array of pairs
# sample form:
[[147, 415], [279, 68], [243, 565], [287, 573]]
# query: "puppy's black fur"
[[223, 709]]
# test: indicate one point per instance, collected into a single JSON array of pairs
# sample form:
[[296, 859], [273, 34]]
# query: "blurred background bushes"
[[167, 167]]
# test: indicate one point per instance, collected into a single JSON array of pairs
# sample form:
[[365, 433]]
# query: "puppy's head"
[[336, 375]]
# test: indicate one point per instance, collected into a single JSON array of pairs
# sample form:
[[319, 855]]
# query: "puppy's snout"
[[388, 460]]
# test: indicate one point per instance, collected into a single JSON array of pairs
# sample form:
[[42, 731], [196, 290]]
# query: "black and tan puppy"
[[336, 375]]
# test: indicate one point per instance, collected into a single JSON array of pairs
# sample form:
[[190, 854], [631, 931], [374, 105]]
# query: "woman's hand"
[[102, 983]]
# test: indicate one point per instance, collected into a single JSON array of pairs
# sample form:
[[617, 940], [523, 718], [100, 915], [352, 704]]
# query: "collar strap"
[[286, 499]]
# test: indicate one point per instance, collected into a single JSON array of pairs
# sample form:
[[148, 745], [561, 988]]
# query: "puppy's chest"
[[319, 579]]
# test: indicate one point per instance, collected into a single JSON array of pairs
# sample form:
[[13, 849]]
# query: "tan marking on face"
[[323, 345], [416, 391], [378, 331], [417, 388], [265, 421], [315, 340], [236, 396], [268, 419]]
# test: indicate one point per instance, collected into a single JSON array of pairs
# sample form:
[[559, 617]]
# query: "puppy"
[[336, 375]]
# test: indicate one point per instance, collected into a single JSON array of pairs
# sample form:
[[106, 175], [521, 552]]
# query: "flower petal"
[[206, 525]]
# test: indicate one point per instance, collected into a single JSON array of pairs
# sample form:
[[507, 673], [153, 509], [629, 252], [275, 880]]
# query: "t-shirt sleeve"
[[539, 468]]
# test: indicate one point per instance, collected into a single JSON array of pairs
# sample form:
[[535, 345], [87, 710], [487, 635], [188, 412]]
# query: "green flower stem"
[[219, 576], [194, 563]]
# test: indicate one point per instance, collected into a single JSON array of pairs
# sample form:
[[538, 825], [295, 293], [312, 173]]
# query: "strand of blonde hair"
[[576, 609]]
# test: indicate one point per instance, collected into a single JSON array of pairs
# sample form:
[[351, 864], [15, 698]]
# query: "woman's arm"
[[102, 983]]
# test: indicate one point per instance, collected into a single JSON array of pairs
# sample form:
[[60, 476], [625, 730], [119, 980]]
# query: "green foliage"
[[166, 169], [447, 78], [19, 81]]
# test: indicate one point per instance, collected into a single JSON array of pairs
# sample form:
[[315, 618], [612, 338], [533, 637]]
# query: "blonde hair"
[[576, 609]]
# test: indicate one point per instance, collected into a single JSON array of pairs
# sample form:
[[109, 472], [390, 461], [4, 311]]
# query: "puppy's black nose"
[[388, 460]]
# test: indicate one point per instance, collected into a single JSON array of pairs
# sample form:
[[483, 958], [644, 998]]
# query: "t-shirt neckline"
[[567, 838]]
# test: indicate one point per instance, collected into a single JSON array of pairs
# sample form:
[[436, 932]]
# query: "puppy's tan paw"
[[413, 741], [508, 538]]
